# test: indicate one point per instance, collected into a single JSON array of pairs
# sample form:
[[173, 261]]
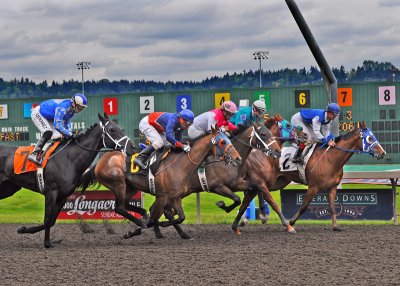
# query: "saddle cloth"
[[23, 165]]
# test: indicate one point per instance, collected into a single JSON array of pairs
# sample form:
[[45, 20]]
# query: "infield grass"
[[28, 208]]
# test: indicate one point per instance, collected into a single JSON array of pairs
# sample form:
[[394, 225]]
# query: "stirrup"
[[33, 158], [139, 162]]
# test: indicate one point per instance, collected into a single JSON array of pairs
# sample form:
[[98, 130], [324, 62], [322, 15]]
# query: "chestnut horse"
[[172, 179], [324, 171]]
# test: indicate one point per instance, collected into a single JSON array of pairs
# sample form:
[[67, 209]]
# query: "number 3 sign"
[[387, 95]]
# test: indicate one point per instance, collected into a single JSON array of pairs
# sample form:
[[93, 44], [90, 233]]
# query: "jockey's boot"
[[35, 156], [297, 157], [141, 159]]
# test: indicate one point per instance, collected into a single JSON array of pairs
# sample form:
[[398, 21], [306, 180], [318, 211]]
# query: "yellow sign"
[[221, 97]]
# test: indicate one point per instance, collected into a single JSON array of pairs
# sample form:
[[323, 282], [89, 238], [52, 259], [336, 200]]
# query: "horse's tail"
[[87, 179]]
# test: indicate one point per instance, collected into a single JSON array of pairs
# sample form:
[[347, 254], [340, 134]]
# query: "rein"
[[352, 150], [267, 146]]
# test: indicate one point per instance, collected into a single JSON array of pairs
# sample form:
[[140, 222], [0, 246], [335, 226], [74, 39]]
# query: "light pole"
[[261, 55], [83, 66], [394, 70]]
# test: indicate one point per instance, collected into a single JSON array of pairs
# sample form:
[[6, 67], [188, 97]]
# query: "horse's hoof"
[[220, 204], [48, 245], [130, 234], [264, 218], [160, 236], [336, 228], [237, 232], [22, 229], [291, 229]]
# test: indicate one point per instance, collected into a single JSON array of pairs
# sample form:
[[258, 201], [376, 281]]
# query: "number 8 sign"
[[387, 95]]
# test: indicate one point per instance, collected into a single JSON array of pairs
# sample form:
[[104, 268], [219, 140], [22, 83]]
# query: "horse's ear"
[[363, 125], [102, 119], [214, 130], [278, 117], [106, 116]]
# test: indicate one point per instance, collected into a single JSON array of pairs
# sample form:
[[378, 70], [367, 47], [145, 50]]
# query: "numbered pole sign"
[[146, 104], [3, 111], [387, 95], [183, 102], [110, 105], [263, 95], [302, 98], [220, 98], [345, 96]]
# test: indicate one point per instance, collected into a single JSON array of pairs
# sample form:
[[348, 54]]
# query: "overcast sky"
[[187, 39]]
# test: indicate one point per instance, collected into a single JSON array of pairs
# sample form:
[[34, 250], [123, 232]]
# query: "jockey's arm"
[[170, 134], [326, 130], [59, 116], [316, 125], [212, 122]]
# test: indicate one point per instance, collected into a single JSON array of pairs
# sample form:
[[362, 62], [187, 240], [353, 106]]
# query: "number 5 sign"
[[387, 95], [110, 106]]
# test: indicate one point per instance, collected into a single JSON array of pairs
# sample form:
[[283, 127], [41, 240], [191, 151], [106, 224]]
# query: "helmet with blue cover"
[[79, 99], [334, 108], [187, 115]]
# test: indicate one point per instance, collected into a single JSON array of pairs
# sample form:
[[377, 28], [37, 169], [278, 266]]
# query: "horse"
[[225, 179], [324, 171], [171, 180], [63, 170]]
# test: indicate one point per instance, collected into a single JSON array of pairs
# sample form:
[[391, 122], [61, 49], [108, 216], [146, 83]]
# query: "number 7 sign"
[[345, 96], [110, 106]]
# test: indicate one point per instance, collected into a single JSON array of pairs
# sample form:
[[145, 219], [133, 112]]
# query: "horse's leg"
[[120, 204], [307, 199], [135, 209], [170, 216], [245, 202], [331, 200], [177, 205], [226, 192], [270, 200]]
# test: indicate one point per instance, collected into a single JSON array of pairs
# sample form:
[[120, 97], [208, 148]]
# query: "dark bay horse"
[[324, 171], [172, 179], [63, 171]]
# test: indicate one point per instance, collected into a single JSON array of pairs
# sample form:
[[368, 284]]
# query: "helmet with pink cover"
[[229, 106]]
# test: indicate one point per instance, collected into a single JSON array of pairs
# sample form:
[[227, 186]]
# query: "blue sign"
[[27, 110], [183, 102], [349, 204]]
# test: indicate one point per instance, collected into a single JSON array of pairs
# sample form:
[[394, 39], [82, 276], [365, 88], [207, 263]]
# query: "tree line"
[[369, 71]]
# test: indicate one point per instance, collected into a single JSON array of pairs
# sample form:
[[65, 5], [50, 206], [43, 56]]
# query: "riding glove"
[[186, 148]]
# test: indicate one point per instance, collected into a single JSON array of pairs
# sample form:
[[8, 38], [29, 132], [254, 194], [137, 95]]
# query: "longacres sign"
[[350, 204], [95, 205]]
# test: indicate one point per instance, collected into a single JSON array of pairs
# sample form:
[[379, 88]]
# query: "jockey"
[[248, 115], [53, 118], [161, 126], [312, 120], [217, 117]]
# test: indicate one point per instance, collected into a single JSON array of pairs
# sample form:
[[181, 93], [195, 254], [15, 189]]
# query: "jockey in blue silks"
[[312, 121], [159, 127], [53, 118]]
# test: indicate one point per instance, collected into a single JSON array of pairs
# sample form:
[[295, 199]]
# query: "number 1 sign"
[[387, 95], [110, 106]]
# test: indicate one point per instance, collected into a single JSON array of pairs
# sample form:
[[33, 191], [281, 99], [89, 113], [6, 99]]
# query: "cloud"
[[187, 40]]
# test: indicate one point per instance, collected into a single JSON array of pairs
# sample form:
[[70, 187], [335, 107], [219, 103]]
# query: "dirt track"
[[262, 255]]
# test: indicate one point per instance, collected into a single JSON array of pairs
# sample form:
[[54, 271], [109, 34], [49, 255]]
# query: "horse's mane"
[[239, 130], [346, 136], [88, 130], [269, 122]]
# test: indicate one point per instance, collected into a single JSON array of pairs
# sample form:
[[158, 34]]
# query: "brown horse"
[[324, 171], [224, 179], [172, 179]]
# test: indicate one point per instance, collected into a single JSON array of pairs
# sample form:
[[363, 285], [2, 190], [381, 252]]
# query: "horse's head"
[[265, 142], [370, 144], [224, 149], [113, 135], [280, 128]]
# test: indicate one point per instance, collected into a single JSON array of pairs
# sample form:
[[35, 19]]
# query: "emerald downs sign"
[[374, 204]]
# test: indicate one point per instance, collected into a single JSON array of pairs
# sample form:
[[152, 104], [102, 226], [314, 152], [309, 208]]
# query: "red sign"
[[95, 205], [110, 106]]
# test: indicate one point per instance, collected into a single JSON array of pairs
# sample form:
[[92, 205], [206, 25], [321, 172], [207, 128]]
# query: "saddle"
[[23, 165], [154, 161]]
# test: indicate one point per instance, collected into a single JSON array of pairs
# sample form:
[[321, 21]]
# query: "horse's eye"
[[370, 140]]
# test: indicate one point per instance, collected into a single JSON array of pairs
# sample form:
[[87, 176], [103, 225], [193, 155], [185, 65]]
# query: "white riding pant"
[[297, 119], [193, 132], [43, 124], [156, 139]]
